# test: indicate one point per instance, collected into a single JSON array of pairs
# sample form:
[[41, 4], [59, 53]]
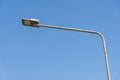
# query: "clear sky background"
[[28, 53]]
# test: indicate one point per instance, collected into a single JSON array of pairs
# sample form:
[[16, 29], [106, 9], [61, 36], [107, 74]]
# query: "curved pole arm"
[[86, 31]]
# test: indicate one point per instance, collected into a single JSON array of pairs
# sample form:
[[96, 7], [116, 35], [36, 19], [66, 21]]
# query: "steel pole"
[[86, 31]]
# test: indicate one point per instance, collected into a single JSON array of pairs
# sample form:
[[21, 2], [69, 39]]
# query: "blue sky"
[[28, 53]]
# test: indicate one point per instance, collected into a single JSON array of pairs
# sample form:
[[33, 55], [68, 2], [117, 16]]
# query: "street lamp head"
[[30, 22]]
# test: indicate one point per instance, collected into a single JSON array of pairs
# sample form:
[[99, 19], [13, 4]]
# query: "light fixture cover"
[[30, 22]]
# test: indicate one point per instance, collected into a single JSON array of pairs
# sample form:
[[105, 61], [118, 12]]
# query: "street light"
[[36, 23], [30, 22]]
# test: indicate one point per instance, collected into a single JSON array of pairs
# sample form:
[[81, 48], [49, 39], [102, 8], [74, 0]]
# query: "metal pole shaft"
[[87, 31]]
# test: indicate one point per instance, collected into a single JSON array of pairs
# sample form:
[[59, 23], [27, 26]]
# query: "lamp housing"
[[30, 22]]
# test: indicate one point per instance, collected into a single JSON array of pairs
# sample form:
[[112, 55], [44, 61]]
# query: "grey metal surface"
[[86, 31]]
